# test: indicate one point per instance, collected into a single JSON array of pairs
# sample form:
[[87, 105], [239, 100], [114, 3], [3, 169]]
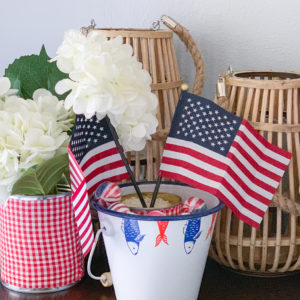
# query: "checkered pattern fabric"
[[39, 242]]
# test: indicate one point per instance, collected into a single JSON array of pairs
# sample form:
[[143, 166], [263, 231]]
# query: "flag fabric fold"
[[218, 152], [93, 159]]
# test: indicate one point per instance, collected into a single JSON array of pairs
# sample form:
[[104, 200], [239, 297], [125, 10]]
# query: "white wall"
[[253, 34]]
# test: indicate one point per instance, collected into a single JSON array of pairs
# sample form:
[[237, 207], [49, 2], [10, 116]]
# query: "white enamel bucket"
[[157, 258]]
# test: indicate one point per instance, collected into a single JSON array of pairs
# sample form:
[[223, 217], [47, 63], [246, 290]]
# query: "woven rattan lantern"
[[155, 50], [271, 102]]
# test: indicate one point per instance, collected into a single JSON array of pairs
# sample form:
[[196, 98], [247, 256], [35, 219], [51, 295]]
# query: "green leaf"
[[50, 172], [28, 184], [42, 179], [29, 73]]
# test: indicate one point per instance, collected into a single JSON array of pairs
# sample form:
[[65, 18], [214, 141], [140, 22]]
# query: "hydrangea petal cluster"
[[31, 131], [105, 79], [5, 90]]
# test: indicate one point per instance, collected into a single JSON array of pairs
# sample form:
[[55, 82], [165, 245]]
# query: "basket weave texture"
[[270, 101]]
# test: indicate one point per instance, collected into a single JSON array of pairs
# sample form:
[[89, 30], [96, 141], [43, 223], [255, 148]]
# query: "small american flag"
[[218, 152], [93, 158]]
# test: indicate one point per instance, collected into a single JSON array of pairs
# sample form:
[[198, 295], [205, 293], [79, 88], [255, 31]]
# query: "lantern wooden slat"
[[227, 245], [270, 101], [252, 249]]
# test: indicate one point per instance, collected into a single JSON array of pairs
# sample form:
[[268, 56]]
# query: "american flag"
[[218, 152], [93, 158]]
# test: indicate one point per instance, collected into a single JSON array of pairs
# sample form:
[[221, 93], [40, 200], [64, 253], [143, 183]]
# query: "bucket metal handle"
[[105, 278]]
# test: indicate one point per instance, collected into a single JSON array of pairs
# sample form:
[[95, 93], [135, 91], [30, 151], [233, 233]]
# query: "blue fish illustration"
[[132, 234], [191, 231]]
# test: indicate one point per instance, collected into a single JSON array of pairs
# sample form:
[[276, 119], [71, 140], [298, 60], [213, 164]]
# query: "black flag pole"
[[184, 87], [154, 195], [116, 139]]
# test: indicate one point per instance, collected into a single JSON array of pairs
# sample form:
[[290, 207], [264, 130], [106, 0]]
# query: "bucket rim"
[[39, 197], [201, 214]]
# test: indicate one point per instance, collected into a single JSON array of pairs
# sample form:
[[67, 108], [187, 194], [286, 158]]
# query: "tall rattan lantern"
[[271, 102], [155, 50]]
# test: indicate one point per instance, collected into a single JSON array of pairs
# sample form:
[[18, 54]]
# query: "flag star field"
[[209, 127]]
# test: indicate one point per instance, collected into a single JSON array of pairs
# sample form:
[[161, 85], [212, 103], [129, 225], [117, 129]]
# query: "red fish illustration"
[[211, 225], [162, 226]]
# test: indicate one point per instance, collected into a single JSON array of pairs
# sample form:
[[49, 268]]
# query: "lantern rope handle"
[[192, 47], [286, 204]]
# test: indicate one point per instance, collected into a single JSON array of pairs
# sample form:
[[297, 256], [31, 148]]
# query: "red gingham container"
[[40, 249]]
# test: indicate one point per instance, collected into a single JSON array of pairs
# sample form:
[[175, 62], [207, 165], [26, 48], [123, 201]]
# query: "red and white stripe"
[[194, 203], [81, 205], [112, 192], [103, 163], [119, 207], [156, 213], [185, 209], [245, 180], [140, 212], [171, 211]]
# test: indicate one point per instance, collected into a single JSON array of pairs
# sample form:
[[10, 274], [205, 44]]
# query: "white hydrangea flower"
[[31, 131], [48, 104], [4, 86], [9, 172], [5, 90], [105, 79], [74, 45]]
